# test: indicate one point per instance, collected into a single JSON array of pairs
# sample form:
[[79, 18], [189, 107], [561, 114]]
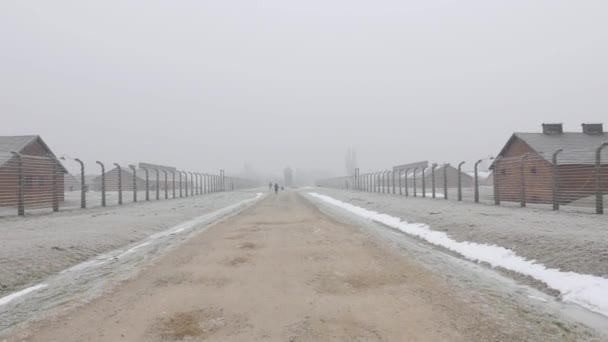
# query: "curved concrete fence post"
[[433, 167], [460, 181], [423, 182], [476, 179], [147, 182], [132, 167], [119, 169], [157, 184]]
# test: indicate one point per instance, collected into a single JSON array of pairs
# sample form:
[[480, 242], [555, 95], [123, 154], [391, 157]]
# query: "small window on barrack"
[[533, 169]]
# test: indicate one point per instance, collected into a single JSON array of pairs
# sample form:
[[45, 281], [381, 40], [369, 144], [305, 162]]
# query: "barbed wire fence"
[[36, 185], [574, 179]]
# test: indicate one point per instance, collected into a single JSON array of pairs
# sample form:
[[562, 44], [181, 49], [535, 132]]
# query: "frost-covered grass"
[[119, 254], [586, 290], [36, 246]]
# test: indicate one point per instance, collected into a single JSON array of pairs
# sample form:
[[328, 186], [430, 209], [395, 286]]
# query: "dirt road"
[[279, 271]]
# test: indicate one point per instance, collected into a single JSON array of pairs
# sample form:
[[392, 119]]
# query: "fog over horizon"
[[261, 85]]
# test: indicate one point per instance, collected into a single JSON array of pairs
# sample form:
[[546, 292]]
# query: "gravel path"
[[567, 241], [34, 247], [284, 271]]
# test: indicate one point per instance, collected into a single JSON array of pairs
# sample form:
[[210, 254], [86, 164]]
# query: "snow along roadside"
[[588, 291], [111, 256]]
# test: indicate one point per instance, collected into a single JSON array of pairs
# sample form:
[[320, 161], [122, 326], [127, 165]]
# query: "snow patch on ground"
[[13, 296], [585, 290], [102, 259]]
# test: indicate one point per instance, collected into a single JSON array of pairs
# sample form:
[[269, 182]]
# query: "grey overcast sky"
[[207, 84]]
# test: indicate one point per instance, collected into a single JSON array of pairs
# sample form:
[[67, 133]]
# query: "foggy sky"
[[204, 85]]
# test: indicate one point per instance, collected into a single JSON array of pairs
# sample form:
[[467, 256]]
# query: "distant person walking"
[[276, 188], [270, 186]]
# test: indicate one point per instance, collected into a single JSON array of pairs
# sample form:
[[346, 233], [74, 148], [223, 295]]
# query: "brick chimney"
[[596, 128], [553, 128]]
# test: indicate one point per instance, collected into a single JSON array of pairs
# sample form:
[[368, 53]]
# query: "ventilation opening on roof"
[[593, 128], [553, 128]]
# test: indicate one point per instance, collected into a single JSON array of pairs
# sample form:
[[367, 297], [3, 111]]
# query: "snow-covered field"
[[566, 251], [37, 246]]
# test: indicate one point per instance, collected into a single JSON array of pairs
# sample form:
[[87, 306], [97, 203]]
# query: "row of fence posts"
[[200, 183], [379, 182]]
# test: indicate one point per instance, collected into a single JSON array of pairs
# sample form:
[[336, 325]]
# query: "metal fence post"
[[433, 167], [20, 185], [423, 182], [103, 183], [599, 196], [555, 179], [134, 183], [119, 183], [83, 185], [476, 173], [191, 183], [522, 180], [496, 181], [393, 174], [460, 181]]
